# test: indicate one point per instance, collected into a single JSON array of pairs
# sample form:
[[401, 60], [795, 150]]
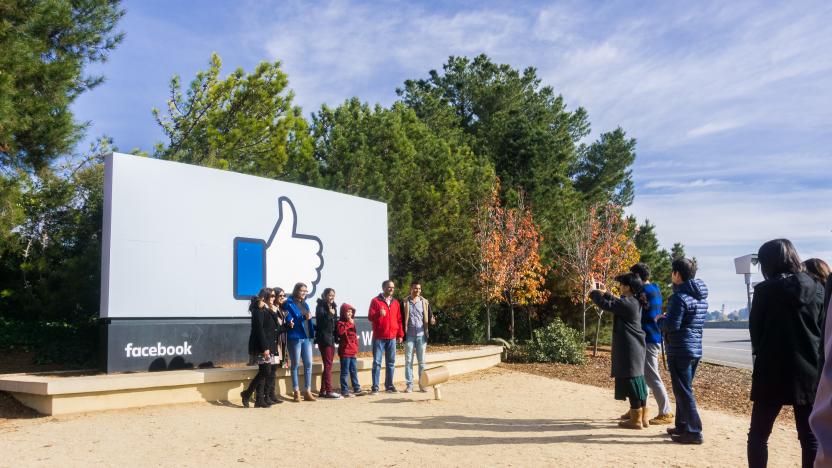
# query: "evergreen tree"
[[657, 258], [44, 48], [244, 123]]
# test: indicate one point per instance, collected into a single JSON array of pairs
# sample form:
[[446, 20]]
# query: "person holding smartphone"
[[262, 344], [300, 336], [628, 347]]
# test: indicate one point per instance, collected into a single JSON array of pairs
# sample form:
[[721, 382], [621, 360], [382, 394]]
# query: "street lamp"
[[743, 267]]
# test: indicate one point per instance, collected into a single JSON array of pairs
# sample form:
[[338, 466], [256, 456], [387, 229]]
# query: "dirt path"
[[493, 418]]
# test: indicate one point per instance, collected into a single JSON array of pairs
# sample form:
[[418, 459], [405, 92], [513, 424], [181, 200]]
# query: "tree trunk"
[[488, 321], [583, 326], [511, 307], [597, 332]]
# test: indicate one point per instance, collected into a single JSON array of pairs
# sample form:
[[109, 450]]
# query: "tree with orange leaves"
[[509, 266], [594, 248]]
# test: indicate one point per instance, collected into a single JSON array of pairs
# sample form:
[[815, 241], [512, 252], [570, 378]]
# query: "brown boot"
[[635, 420], [645, 420], [296, 396], [307, 395]]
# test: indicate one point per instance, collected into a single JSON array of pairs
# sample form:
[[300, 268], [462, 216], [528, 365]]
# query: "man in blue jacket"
[[687, 309]]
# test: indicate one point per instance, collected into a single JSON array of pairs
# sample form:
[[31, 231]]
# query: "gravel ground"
[[716, 387]]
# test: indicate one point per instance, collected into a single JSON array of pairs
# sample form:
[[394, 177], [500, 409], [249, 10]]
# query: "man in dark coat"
[[687, 309]]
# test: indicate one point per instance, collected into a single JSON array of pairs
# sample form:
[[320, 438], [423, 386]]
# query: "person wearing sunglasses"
[[277, 321], [261, 347]]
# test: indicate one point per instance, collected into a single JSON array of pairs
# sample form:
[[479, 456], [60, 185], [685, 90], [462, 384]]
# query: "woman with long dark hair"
[[277, 321], [817, 269], [326, 337], [785, 325], [628, 345], [261, 347], [300, 336]]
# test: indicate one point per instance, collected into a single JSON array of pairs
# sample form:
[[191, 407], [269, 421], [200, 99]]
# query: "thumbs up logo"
[[285, 259]]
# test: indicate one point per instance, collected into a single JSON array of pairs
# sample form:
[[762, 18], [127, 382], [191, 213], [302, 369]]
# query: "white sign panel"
[[189, 241]]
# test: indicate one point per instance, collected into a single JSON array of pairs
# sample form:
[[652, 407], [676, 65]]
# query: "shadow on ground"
[[466, 423]]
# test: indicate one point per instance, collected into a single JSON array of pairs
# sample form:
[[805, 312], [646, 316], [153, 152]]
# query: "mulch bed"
[[716, 387]]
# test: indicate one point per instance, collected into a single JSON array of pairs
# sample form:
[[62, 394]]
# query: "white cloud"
[[681, 184]]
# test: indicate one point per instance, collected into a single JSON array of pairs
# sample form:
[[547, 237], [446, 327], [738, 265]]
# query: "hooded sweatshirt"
[[348, 338], [687, 309], [785, 325]]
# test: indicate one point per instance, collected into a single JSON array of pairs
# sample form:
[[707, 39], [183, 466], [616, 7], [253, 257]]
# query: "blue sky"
[[730, 101]]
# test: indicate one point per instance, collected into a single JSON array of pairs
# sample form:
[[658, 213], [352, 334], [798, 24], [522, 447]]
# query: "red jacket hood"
[[344, 308]]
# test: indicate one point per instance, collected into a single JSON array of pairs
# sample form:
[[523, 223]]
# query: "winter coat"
[[687, 310], [278, 321], [296, 312], [427, 315], [263, 334], [326, 331], [389, 326], [628, 348], [785, 325], [348, 338]]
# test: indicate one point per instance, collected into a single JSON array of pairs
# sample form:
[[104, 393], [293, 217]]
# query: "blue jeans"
[[419, 343], [682, 372], [301, 349], [348, 368], [388, 349]]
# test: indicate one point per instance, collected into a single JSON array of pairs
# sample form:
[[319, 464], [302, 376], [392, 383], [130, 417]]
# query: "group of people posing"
[[283, 331], [786, 322]]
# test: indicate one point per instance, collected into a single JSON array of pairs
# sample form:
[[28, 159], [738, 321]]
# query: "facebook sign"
[[184, 248]]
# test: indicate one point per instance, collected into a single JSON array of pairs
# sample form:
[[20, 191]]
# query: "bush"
[[518, 353], [557, 342]]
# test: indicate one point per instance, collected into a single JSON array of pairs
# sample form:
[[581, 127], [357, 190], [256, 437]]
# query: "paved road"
[[728, 346]]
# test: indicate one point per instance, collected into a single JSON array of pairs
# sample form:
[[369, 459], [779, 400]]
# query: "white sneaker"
[[333, 395], [408, 389]]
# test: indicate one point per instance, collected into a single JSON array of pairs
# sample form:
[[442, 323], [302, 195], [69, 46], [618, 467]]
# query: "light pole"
[[743, 267]]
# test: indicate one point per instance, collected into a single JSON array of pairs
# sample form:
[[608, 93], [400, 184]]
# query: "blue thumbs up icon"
[[285, 259]]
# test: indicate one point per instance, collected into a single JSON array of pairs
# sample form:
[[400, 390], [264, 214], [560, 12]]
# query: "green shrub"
[[517, 353], [557, 342]]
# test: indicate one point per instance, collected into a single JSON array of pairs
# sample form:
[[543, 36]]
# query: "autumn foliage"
[[509, 269], [596, 247]]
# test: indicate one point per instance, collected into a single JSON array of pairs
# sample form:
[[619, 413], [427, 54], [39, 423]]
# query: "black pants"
[[635, 403], [271, 381], [258, 383], [762, 420]]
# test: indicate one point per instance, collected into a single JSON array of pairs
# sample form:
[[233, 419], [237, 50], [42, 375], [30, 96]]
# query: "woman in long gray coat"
[[628, 348]]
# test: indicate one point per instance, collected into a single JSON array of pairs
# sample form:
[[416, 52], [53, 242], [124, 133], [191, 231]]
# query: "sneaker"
[[687, 438], [358, 392], [672, 431], [334, 396], [392, 390], [346, 395], [374, 392], [408, 389], [666, 418]]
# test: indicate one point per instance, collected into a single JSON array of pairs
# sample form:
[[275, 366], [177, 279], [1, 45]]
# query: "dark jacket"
[[348, 338], [427, 315], [785, 325], [296, 313], [263, 332], [326, 330], [628, 348], [687, 310]]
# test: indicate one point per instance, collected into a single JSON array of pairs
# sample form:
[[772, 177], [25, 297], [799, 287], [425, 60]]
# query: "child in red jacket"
[[347, 349]]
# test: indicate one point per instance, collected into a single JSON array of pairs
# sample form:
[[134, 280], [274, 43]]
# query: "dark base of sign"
[[142, 345]]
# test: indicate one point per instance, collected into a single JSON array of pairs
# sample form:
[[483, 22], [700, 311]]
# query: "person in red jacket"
[[347, 349], [386, 316]]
